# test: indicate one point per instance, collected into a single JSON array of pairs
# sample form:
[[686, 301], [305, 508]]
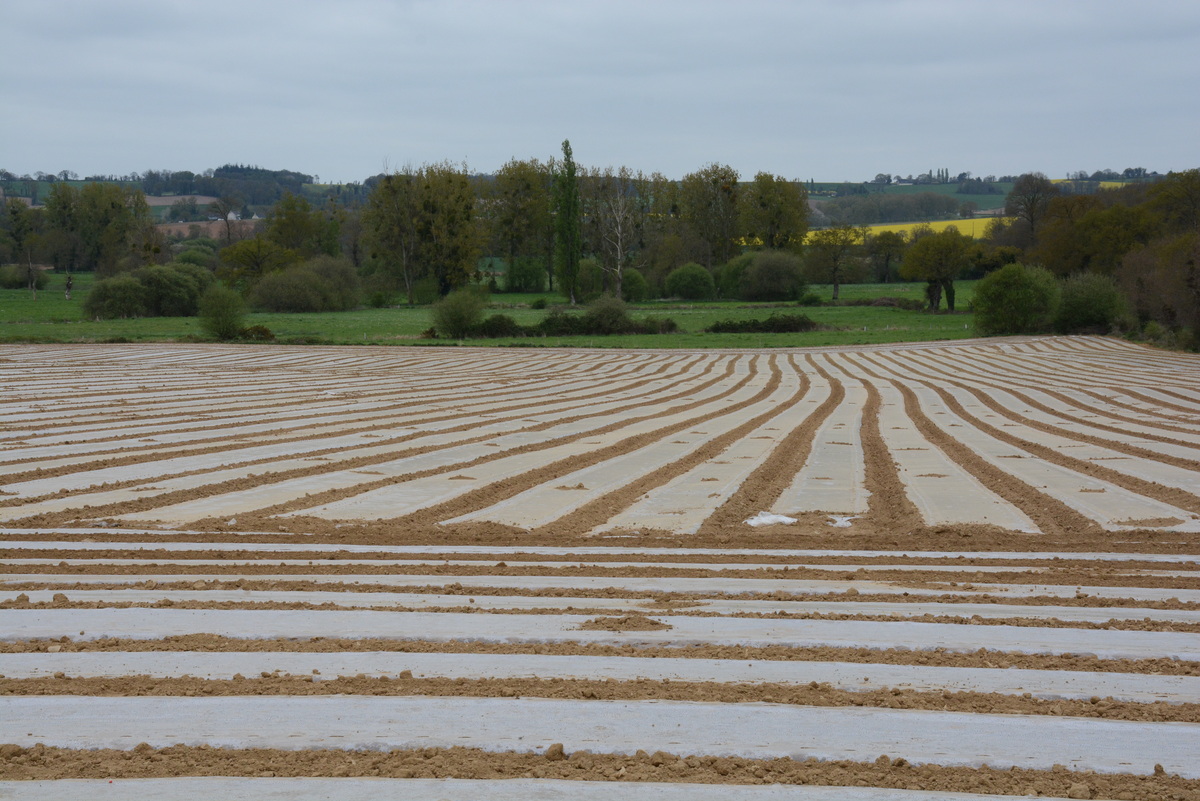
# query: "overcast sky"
[[823, 90]]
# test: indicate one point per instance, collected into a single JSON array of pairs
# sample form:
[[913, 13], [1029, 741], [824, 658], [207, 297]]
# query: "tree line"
[[556, 225], [1133, 251]]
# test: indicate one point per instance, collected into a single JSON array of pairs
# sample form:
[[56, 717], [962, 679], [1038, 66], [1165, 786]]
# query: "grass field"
[[983, 201], [52, 318]]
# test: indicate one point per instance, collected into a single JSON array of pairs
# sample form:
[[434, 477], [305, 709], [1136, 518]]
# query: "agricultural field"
[[895, 572], [973, 226]]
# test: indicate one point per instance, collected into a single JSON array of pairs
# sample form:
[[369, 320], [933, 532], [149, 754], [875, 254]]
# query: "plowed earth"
[[601, 504]]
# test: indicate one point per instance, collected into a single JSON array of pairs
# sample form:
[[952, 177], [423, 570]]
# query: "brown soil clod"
[[624, 623]]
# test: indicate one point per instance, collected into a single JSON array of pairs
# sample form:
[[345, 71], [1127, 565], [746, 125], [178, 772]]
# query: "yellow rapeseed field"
[[975, 226], [1103, 184]]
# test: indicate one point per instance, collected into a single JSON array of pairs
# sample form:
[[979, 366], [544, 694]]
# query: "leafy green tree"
[[392, 231], [1016, 300], [295, 225], [568, 236], [830, 251], [448, 233], [93, 228], [774, 213], [1177, 198], [20, 231], [112, 217], [519, 214], [63, 229], [691, 282], [938, 259], [885, 250], [708, 206], [1080, 234], [1162, 282], [1029, 199], [147, 244], [185, 209], [244, 263], [221, 312]]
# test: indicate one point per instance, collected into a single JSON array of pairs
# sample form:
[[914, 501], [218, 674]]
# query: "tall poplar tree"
[[568, 236]]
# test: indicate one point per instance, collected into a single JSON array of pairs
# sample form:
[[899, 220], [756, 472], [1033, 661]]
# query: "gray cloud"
[[827, 90]]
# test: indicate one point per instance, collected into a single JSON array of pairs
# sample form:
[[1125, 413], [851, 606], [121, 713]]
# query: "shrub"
[[1091, 303], [173, 290], [538, 303], [200, 243], [603, 318], [607, 315], [558, 324], [691, 282], [343, 286], [294, 290], [456, 314], [634, 287], [1154, 331], [772, 275], [1015, 300], [379, 299], [498, 326], [200, 258], [202, 275], [16, 276], [591, 280], [660, 325], [119, 296], [775, 324], [221, 312], [729, 276], [167, 290], [318, 285], [257, 333]]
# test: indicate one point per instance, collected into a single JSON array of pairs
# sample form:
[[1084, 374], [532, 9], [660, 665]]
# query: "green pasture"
[[51, 318], [982, 201]]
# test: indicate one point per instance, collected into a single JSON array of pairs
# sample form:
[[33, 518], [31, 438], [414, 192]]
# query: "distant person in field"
[[70, 283]]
